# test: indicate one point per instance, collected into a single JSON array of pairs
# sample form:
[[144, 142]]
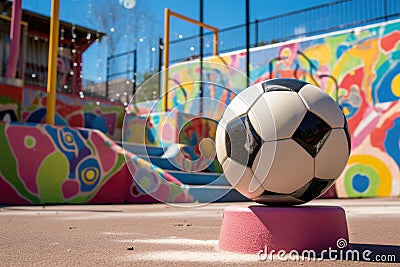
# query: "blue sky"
[[219, 13]]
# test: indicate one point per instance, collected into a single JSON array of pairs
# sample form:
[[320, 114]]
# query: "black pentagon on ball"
[[313, 189], [347, 132], [283, 85], [242, 142], [276, 199], [312, 133], [306, 193]]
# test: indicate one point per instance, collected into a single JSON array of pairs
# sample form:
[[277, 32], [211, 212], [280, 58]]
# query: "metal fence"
[[123, 76], [122, 67], [311, 21]]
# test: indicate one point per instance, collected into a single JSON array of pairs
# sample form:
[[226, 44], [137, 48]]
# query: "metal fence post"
[[134, 74], [160, 57], [107, 77], [385, 10], [248, 41], [201, 94], [160, 54], [256, 32]]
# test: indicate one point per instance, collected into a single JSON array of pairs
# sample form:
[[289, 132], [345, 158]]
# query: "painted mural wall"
[[29, 105], [222, 78], [166, 128], [190, 137], [59, 164], [10, 103], [359, 68], [42, 164]]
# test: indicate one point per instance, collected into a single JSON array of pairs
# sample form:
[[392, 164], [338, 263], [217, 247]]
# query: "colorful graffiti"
[[165, 128], [199, 135], [71, 110], [156, 129], [54, 164], [359, 68], [221, 79], [194, 138]]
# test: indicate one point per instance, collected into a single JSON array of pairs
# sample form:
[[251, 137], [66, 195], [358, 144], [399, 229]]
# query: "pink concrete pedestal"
[[249, 229]]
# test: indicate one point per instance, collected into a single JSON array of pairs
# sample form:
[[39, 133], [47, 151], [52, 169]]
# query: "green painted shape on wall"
[[175, 191], [382, 59], [333, 42], [372, 175], [365, 35], [51, 174], [7, 100]]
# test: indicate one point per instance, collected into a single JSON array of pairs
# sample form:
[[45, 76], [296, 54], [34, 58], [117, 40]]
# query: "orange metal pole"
[[215, 43], [201, 24], [167, 14], [198, 23]]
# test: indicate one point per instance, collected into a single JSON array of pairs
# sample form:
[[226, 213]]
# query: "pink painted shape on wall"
[[114, 190], [30, 147], [106, 155], [9, 195], [111, 122], [70, 188]]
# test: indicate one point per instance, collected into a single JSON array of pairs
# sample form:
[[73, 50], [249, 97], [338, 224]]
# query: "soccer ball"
[[282, 142]]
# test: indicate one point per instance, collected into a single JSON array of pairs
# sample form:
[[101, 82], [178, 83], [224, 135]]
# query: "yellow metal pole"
[[52, 63], [166, 58]]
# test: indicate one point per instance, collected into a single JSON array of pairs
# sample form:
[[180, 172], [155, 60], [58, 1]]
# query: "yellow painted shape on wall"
[[368, 51], [385, 182], [321, 52], [344, 60], [225, 60], [396, 85]]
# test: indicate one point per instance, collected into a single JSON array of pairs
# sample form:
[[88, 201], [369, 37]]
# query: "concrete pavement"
[[160, 234]]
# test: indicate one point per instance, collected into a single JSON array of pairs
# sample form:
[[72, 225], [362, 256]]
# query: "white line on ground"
[[174, 241], [194, 256]]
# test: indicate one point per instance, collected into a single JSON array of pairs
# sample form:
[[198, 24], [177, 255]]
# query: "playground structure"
[[64, 164]]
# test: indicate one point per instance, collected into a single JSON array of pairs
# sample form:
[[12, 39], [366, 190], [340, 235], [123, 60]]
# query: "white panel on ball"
[[332, 158], [240, 177], [287, 111], [261, 118], [291, 169], [220, 144], [241, 104], [321, 104], [264, 159]]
